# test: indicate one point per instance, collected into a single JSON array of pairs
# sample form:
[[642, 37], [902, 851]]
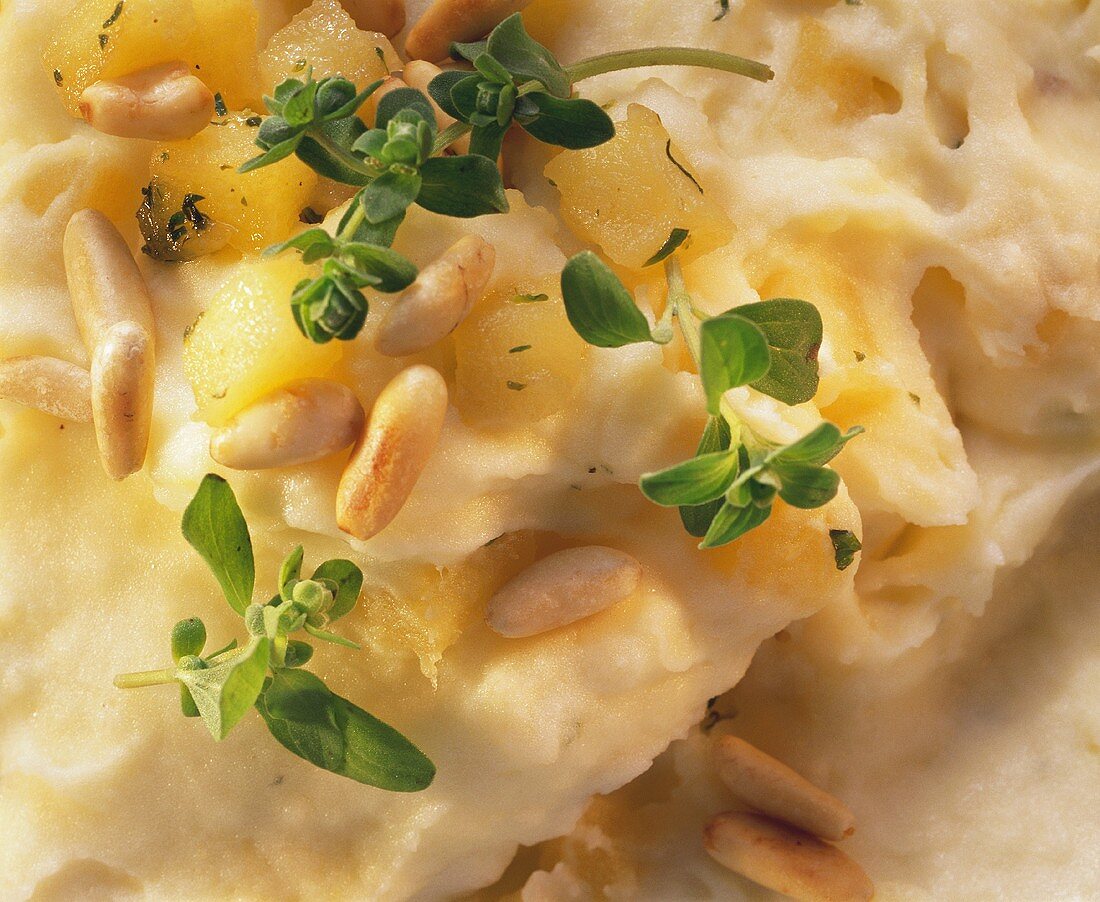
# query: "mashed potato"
[[929, 180]]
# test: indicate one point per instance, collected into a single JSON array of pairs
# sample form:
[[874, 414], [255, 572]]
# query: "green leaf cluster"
[[301, 712], [728, 487], [394, 164], [517, 80]]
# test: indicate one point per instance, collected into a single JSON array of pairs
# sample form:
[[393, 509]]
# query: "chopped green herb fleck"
[[254, 121], [519, 348], [57, 77], [860, 356], [103, 39], [915, 398], [723, 10], [114, 16], [310, 216], [516, 386], [530, 298], [219, 105], [845, 546]]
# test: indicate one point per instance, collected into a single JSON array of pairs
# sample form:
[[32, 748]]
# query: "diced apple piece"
[[246, 343], [629, 194], [518, 359], [101, 39], [424, 610], [260, 208], [324, 36]]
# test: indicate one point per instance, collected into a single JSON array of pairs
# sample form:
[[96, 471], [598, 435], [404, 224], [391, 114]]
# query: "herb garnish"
[[675, 239], [300, 711], [723, 10], [730, 485], [398, 162], [845, 546]]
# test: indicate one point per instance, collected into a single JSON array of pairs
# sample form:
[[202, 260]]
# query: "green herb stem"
[[680, 302], [668, 56], [354, 221], [145, 678], [449, 135], [348, 159]]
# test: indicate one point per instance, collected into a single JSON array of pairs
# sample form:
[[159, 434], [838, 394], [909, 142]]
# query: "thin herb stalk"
[[668, 56]]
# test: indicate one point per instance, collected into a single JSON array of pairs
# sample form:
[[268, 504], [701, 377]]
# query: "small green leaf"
[[215, 527], [487, 140], [224, 692], [439, 88], [716, 437], [297, 653], [314, 723], [188, 638], [805, 485], [291, 570], [462, 186], [845, 546], [381, 267], [675, 238], [598, 305], [298, 110], [574, 124], [278, 152], [817, 447], [731, 523], [733, 352], [315, 244], [525, 58], [468, 51], [390, 195], [349, 581], [316, 150], [400, 100], [794, 331], [187, 703], [693, 482], [326, 94]]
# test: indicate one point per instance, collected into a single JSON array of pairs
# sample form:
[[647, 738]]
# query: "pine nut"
[[561, 589], [440, 298], [296, 424], [122, 397], [162, 103], [399, 438], [418, 74], [785, 860], [772, 788], [53, 386], [386, 16], [446, 21], [104, 281]]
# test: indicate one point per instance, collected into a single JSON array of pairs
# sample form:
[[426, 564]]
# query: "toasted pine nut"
[[446, 21], [386, 16], [296, 424], [122, 397], [162, 103], [418, 74], [784, 859], [440, 298], [53, 386], [399, 438], [772, 788], [104, 281], [561, 589]]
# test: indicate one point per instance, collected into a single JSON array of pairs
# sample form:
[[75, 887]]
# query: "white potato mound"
[[928, 181]]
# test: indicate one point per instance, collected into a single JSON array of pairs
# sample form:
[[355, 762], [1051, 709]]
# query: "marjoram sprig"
[[300, 711], [399, 161]]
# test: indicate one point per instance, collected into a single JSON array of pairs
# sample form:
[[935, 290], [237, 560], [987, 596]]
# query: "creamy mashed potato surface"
[[928, 176]]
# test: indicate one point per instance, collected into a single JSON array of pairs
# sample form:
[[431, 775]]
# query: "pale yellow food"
[[958, 285]]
